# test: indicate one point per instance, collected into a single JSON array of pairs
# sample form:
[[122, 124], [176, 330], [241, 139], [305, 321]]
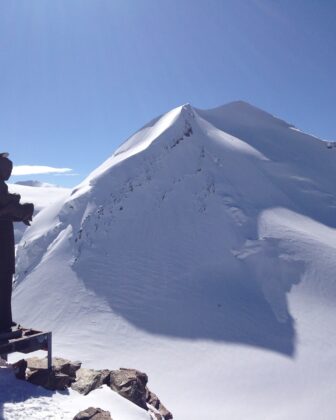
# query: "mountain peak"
[[183, 247], [244, 113]]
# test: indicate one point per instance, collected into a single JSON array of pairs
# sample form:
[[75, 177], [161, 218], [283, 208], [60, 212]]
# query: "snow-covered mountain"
[[203, 253]]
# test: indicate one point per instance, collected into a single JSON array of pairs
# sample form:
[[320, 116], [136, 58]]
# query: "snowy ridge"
[[208, 235], [169, 123]]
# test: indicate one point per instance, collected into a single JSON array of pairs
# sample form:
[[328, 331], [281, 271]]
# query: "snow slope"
[[202, 252]]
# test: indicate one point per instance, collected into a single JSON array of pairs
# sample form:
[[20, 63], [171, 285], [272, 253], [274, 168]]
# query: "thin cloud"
[[36, 170]]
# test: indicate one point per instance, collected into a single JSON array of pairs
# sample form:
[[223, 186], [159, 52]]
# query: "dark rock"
[[61, 376], [105, 376], [153, 400], [155, 416], [35, 363], [93, 414], [20, 369], [48, 379], [88, 379], [64, 366], [131, 384]]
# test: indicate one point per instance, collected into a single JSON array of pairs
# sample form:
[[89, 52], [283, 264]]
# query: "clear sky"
[[77, 77]]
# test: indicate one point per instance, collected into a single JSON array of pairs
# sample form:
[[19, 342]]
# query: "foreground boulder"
[[20, 369], [49, 380], [59, 365], [131, 384], [93, 414], [88, 379], [35, 371], [154, 401]]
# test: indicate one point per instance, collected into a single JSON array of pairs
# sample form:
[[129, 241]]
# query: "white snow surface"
[[202, 253]]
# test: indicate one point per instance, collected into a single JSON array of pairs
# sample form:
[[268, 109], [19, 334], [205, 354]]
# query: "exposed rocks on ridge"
[[129, 383]]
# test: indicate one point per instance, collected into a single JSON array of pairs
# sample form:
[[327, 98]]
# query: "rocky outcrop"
[[129, 383], [132, 384], [49, 380], [93, 414], [88, 379], [35, 371], [63, 366], [154, 401], [20, 369]]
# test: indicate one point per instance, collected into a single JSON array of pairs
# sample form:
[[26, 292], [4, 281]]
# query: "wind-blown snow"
[[203, 253]]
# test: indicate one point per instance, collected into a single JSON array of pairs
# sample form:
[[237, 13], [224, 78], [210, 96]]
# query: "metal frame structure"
[[27, 341]]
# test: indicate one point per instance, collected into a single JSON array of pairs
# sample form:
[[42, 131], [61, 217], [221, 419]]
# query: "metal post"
[[49, 341], [4, 357]]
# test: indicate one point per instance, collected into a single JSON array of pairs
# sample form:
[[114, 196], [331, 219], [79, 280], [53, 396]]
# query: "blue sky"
[[77, 77]]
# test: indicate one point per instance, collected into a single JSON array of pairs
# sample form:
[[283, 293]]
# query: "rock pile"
[[129, 383]]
